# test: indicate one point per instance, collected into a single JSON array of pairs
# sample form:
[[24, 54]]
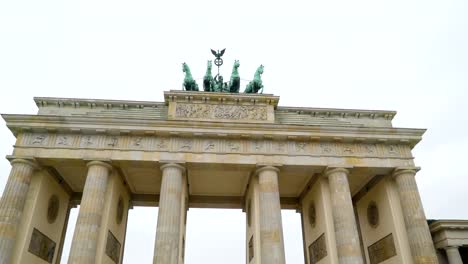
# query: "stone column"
[[453, 255], [12, 204], [166, 249], [346, 233], [88, 224], [271, 229], [419, 237]]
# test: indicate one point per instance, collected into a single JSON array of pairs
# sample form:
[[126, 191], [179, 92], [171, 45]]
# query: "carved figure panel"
[[39, 139], [233, 146], [185, 144], [258, 146], [318, 249], [162, 143], [229, 112], [88, 141], [113, 247], [382, 250], [42, 246], [301, 147], [137, 142], [64, 140], [112, 141], [209, 145], [327, 148]]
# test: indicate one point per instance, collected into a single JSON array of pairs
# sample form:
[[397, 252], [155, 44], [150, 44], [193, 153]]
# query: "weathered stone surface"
[[88, 224], [420, 240], [166, 249], [346, 234], [271, 230], [12, 204]]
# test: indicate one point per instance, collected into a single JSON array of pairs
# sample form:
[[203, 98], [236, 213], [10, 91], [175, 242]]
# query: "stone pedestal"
[[419, 237], [346, 234], [453, 255], [12, 204], [88, 224], [168, 232], [271, 229]]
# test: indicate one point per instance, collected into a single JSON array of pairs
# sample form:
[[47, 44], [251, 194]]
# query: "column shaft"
[[453, 255], [88, 224], [419, 236], [346, 234], [166, 249], [271, 229], [12, 204]]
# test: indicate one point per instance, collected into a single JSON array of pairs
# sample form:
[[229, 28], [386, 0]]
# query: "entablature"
[[87, 125]]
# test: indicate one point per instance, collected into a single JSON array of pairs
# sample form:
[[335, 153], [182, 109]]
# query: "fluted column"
[[419, 236], [166, 249], [85, 239], [271, 229], [12, 204], [453, 255], [346, 233]]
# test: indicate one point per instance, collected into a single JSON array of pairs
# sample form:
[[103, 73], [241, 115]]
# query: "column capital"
[[29, 161], [265, 167], [330, 170], [404, 170], [99, 163], [178, 165]]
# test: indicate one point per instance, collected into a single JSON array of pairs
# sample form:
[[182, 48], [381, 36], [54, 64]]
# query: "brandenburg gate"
[[349, 173]]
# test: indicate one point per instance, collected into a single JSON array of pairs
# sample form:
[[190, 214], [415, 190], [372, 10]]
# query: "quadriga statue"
[[256, 84], [189, 82]]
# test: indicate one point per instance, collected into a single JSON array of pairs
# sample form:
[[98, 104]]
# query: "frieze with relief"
[[216, 112], [219, 145]]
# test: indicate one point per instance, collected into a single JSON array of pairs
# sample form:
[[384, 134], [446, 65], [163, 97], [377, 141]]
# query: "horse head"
[[260, 69], [210, 65]]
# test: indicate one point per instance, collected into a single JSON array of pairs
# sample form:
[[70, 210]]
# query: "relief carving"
[[233, 112], [209, 145], [348, 149], [370, 149], [162, 143], [87, 141], [42, 246], [318, 249], [186, 144], [258, 145], [113, 141], [63, 140], [39, 139], [234, 146], [301, 146], [382, 250], [326, 148], [252, 146], [137, 142], [392, 150]]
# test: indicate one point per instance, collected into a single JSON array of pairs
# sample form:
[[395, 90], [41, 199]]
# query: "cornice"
[[73, 124], [439, 225], [183, 96], [336, 112], [92, 103]]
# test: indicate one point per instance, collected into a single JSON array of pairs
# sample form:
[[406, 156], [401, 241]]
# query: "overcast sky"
[[408, 56]]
